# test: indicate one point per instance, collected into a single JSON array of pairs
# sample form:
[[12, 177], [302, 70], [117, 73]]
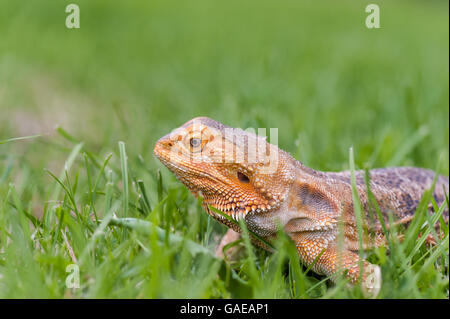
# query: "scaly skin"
[[267, 187]]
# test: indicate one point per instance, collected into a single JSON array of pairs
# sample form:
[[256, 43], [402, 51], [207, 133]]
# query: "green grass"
[[71, 192]]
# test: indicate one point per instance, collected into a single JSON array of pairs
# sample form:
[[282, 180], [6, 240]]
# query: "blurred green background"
[[137, 69]]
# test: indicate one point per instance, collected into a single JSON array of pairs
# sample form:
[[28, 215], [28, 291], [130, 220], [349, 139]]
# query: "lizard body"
[[247, 178]]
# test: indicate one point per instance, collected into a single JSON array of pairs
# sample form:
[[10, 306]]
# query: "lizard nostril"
[[243, 178]]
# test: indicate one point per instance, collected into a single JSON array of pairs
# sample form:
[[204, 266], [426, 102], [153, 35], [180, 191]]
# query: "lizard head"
[[236, 171]]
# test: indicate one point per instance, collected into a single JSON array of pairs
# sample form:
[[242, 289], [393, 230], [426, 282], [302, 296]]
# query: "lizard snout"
[[163, 146]]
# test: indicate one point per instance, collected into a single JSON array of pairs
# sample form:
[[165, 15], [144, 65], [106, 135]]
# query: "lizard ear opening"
[[243, 178]]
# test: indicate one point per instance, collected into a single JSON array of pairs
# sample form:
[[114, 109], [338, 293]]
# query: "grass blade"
[[124, 167], [357, 211], [9, 140]]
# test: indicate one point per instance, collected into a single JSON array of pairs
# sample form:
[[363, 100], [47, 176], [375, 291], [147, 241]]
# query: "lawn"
[[93, 101]]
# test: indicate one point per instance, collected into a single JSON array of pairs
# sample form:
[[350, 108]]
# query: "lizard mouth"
[[235, 214], [235, 210]]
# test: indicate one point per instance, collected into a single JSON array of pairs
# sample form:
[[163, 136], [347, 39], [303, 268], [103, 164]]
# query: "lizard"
[[239, 173]]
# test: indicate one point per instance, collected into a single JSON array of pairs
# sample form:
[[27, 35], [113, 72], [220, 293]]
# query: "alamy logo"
[[73, 19], [373, 19], [73, 278]]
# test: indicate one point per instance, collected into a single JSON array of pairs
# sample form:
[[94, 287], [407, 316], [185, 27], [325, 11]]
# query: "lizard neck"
[[312, 193], [307, 196], [305, 175]]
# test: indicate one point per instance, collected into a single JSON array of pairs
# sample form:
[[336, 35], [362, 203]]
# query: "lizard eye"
[[243, 178], [195, 142]]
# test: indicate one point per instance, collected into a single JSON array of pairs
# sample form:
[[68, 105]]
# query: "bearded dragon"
[[245, 177]]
